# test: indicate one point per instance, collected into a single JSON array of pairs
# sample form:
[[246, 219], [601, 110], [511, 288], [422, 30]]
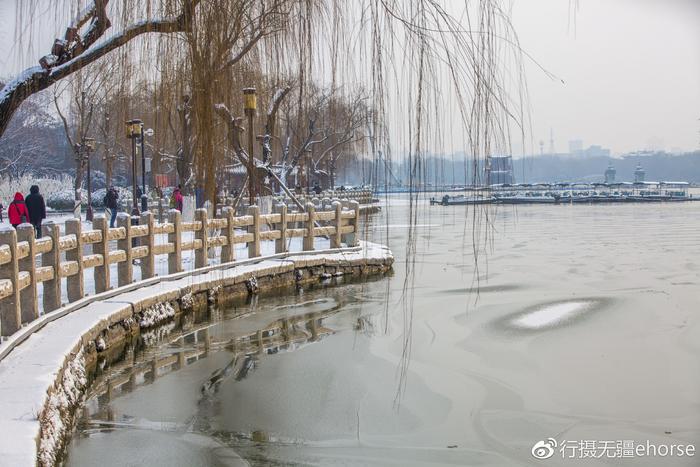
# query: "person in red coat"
[[17, 211], [177, 199]]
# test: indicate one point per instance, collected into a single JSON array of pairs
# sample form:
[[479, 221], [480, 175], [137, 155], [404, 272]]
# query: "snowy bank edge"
[[35, 431]]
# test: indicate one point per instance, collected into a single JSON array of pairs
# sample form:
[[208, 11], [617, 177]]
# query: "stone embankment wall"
[[45, 378]]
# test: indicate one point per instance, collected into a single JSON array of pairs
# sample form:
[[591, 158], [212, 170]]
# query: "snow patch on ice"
[[551, 315]]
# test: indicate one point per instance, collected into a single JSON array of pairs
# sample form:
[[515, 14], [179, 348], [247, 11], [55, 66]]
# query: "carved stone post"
[[201, 255], [10, 314], [75, 284], [281, 243], [336, 238], [148, 263], [352, 239], [175, 257], [310, 225], [125, 269], [254, 246], [101, 273], [228, 251], [27, 296], [52, 288]]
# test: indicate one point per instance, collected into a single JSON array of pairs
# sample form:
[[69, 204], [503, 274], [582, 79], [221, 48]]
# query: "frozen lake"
[[582, 323]]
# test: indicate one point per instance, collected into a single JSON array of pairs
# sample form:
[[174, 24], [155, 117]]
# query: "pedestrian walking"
[[36, 208], [17, 211], [111, 202], [1, 209], [177, 199]]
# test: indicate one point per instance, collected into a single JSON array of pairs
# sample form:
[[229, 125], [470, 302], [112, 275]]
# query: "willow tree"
[[420, 60], [210, 48]]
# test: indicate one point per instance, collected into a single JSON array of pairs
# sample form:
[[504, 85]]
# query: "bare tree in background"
[[83, 93]]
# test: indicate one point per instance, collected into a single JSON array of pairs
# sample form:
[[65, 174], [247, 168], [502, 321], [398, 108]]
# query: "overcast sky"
[[631, 71]]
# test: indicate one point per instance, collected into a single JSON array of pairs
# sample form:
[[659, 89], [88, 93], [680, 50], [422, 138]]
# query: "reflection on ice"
[[310, 306]]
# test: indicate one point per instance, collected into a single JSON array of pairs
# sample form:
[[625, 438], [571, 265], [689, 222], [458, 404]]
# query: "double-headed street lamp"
[[88, 145]]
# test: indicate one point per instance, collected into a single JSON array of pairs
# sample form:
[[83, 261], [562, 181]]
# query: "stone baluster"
[[10, 312], [254, 246], [336, 238], [101, 273], [201, 255], [352, 239], [75, 285], [175, 237], [27, 296], [310, 225], [228, 251], [281, 243], [125, 269], [148, 264], [52, 287]]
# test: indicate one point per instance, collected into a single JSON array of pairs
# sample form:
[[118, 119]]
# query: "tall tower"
[[551, 142], [610, 174], [499, 170]]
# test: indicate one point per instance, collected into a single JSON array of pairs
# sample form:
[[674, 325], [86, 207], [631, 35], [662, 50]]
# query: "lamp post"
[[89, 146], [144, 197], [134, 130], [249, 106]]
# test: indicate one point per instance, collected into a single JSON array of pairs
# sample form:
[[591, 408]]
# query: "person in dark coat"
[[17, 212], [1, 209], [112, 203], [36, 207]]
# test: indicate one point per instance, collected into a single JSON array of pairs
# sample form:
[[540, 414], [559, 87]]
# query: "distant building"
[[576, 147], [596, 151], [610, 174], [576, 150], [639, 174], [499, 170]]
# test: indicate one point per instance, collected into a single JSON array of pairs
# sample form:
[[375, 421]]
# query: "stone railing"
[[26, 262], [319, 201], [361, 196]]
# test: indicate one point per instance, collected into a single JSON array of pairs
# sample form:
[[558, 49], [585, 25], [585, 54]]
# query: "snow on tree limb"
[[80, 53]]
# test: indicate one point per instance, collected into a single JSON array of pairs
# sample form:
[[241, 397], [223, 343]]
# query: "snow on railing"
[[26, 262], [321, 199]]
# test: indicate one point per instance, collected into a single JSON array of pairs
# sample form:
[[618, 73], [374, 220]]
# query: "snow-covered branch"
[[70, 54]]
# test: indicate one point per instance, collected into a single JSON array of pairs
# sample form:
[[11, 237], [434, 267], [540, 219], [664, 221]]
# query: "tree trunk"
[[109, 170], [184, 162]]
